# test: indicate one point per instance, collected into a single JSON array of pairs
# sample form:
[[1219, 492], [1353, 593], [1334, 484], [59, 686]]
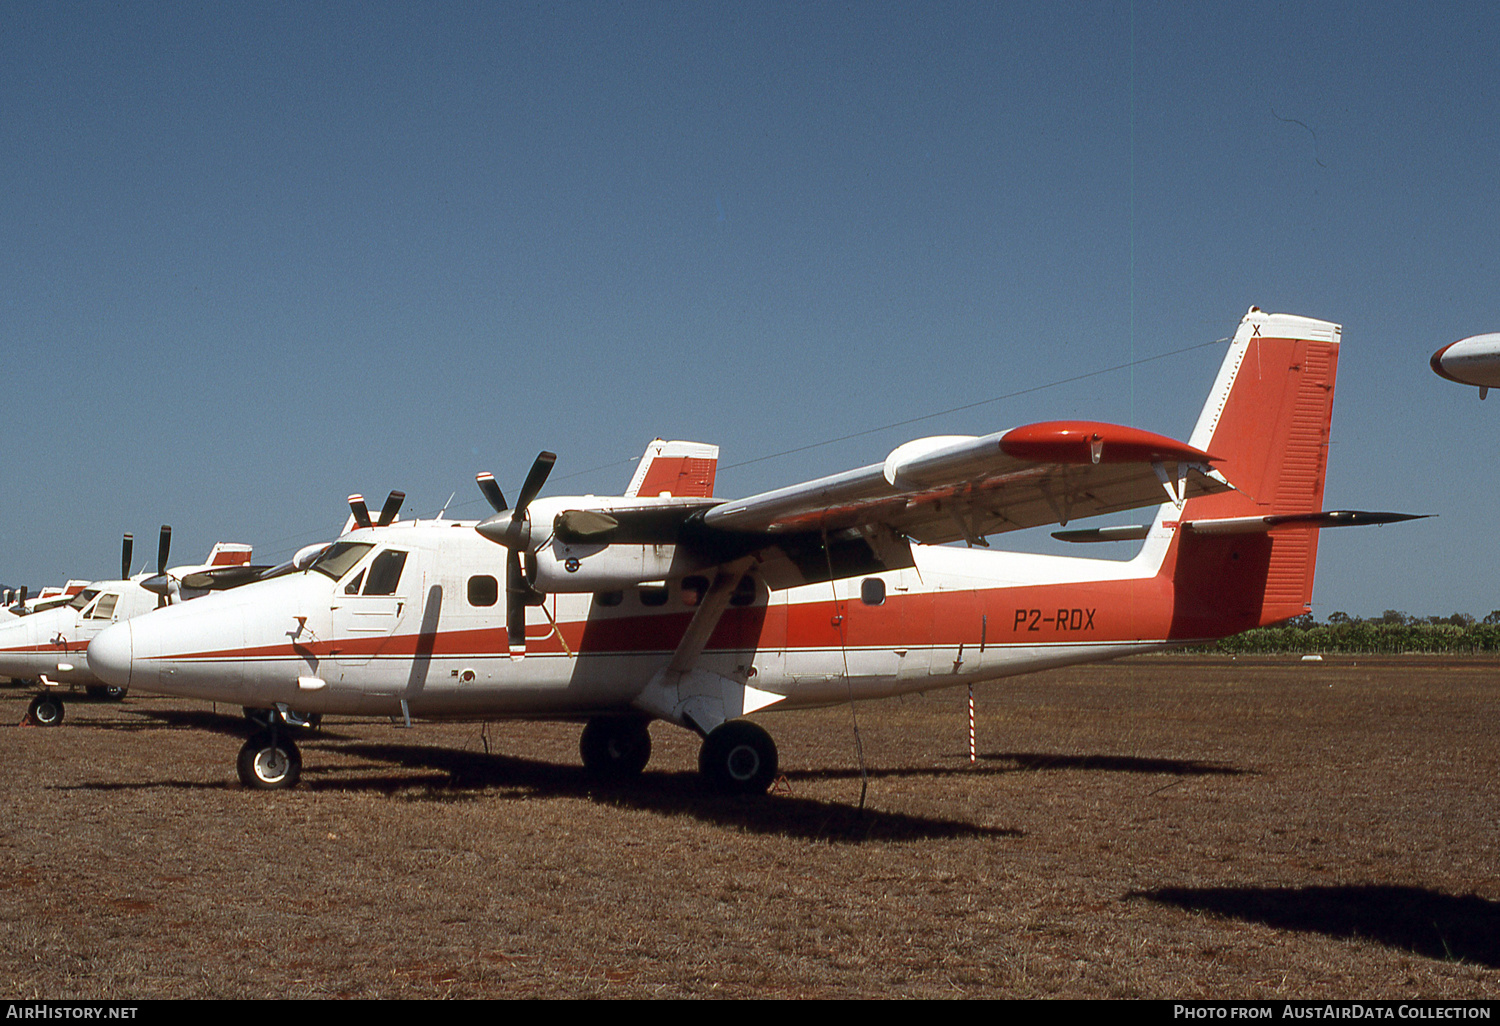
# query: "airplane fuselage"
[[436, 639], [52, 644]]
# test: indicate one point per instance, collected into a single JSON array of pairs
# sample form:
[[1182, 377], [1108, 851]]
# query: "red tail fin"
[[1267, 421], [676, 468]]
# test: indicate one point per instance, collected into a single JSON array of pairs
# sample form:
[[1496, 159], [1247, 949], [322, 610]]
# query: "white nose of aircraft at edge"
[[109, 654], [1471, 361]]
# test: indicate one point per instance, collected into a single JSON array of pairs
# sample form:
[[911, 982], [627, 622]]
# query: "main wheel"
[[45, 711], [104, 692], [114, 693], [269, 763], [738, 757], [615, 747]]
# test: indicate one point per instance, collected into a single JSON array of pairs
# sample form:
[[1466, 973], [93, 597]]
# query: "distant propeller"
[[125, 551], [391, 508], [162, 584], [514, 532], [360, 510]]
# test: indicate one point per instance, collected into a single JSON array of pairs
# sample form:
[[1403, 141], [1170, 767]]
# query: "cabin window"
[[872, 591], [385, 572], [609, 598], [693, 590], [653, 594], [484, 590]]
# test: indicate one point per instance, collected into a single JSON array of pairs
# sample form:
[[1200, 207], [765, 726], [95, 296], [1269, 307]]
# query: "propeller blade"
[[492, 493], [125, 551], [535, 478], [163, 547], [391, 508], [515, 604], [360, 510]]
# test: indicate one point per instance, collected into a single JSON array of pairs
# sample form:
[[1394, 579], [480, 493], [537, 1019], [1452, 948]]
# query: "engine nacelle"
[[563, 566]]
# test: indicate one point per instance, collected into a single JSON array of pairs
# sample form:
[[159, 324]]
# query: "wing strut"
[[700, 699]]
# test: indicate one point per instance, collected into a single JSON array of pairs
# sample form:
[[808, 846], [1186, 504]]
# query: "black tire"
[[738, 757], [269, 763], [614, 747], [105, 692], [45, 711], [115, 694]]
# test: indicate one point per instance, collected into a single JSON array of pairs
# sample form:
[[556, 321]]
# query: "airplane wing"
[[945, 489], [932, 490]]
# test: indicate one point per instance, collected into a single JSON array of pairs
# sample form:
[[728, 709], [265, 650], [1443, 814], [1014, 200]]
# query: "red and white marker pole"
[[971, 725]]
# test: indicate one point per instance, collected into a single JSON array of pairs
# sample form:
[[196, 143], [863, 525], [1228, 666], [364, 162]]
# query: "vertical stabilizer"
[[676, 468], [1267, 424]]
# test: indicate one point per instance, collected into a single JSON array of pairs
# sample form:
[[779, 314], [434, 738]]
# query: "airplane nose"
[[109, 654]]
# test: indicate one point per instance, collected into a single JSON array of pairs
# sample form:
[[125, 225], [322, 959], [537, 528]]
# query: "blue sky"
[[260, 256]]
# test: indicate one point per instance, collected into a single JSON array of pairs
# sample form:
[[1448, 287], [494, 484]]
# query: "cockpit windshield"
[[83, 598], [339, 557]]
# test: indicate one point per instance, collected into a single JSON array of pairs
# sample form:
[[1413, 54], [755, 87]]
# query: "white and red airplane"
[[676, 606], [1471, 361], [49, 645]]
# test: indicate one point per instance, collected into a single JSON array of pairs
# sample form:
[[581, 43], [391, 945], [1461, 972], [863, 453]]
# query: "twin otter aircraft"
[[681, 607]]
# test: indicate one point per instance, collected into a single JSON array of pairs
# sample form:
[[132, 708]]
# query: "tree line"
[[1393, 632]]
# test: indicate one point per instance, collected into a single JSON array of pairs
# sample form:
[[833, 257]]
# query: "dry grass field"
[[1158, 827]]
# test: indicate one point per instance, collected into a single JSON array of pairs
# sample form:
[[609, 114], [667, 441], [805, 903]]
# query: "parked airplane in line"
[[698, 611], [1471, 361], [49, 646]]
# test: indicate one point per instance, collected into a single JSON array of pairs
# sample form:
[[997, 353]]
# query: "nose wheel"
[[738, 757], [45, 711], [269, 763]]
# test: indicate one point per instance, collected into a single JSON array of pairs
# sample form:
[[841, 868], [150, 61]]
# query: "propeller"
[[387, 512], [360, 510], [514, 532], [125, 551], [391, 508], [162, 585]]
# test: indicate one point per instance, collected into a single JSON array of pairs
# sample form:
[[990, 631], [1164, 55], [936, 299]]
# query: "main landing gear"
[[615, 747], [737, 757]]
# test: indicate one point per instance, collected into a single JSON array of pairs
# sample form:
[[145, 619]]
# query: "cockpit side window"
[[104, 609], [340, 557], [385, 572], [352, 588], [83, 598]]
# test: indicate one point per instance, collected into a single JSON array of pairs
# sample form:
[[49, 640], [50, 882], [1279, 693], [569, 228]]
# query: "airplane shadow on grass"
[[1414, 919], [1116, 764], [464, 775]]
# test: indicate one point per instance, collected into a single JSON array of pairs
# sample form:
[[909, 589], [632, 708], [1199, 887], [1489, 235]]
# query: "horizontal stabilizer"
[[1313, 521], [1129, 532]]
